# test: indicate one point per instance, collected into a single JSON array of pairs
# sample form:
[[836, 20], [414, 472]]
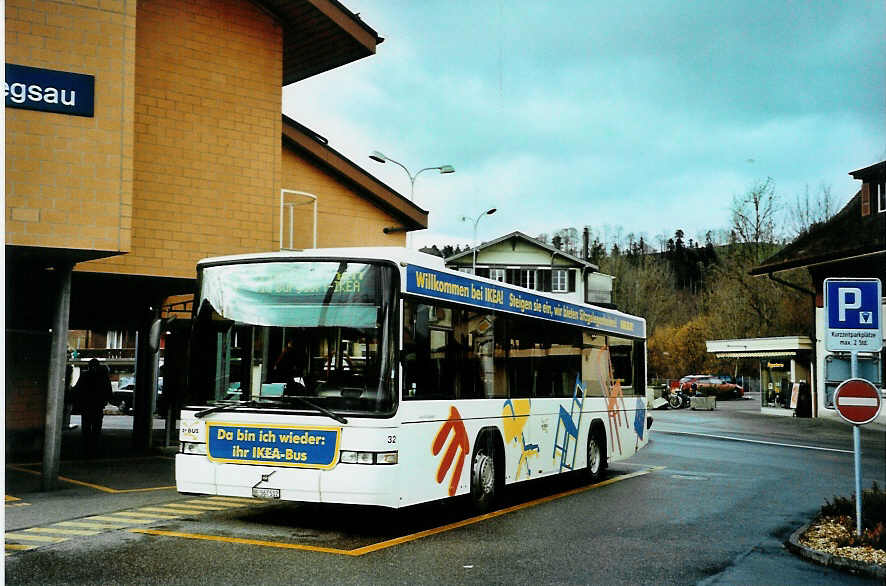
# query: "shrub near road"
[[833, 530]]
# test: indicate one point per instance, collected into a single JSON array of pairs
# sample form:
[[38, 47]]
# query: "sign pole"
[[853, 316], [856, 449], [856, 444]]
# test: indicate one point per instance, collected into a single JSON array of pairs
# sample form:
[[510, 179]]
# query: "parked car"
[[124, 396], [678, 384], [712, 385]]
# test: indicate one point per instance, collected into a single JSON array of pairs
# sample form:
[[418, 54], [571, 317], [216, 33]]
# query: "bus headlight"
[[351, 457], [194, 449]]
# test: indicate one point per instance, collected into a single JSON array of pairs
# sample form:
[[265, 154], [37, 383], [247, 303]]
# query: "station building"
[[851, 244], [143, 136]]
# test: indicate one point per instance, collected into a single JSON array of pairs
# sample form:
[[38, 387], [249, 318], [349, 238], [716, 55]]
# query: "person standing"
[[93, 392], [69, 398]]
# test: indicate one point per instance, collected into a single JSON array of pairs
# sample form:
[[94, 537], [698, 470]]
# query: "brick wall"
[[344, 218], [26, 385], [69, 178], [207, 135]]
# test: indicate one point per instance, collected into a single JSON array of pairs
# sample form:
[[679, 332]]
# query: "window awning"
[[773, 354]]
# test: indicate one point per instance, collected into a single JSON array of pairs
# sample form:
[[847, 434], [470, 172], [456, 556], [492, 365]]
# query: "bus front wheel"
[[484, 485]]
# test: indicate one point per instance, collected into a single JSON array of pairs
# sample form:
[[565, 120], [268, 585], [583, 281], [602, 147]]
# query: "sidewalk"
[[118, 477]]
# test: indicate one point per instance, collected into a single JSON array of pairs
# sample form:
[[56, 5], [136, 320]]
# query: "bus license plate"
[[266, 493]]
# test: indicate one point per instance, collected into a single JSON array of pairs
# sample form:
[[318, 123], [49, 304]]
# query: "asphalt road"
[[692, 508]]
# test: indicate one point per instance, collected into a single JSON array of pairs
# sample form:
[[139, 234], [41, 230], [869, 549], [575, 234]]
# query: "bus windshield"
[[295, 335]]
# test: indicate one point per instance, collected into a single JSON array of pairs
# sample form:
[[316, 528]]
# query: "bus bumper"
[[357, 484]]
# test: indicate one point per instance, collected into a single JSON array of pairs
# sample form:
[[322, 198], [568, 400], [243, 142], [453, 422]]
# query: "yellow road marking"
[[218, 505], [19, 546], [107, 489], [11, 498], [196, 505], [240, 540], [178, 510], [61, 531], [399, 540], [103, 525], [173, 514], [30, 537], [233, 499], [190, 508], [111, 519], [156, 516]]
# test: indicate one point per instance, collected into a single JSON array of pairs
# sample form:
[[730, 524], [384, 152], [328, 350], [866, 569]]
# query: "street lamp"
[[381, 158], [488, 212]]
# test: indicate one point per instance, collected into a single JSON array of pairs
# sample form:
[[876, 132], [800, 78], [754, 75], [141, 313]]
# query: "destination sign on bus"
[[456, 288], [297, 446]]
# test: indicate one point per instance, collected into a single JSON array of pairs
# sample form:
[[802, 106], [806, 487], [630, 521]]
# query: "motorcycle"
[[677, 399]]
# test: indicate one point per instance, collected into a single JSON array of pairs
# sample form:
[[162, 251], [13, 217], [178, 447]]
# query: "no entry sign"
[[857, 401]]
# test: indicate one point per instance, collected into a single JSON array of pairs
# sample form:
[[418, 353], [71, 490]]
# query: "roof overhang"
[[308, 143], [783, 346], [517, 235], [319, 35]]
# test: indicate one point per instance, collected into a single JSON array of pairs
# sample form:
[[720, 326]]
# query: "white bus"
[[376, 376]]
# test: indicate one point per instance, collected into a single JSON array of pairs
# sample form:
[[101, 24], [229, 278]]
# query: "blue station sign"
[[852, 308], [274, 445], [48, 90], [449, 287]]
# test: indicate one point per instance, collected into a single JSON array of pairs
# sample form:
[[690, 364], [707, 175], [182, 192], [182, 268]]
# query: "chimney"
[[865, 199], [585, 242]]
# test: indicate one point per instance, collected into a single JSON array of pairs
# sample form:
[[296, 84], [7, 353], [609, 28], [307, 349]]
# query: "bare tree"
[[808, 210], [754, 217]]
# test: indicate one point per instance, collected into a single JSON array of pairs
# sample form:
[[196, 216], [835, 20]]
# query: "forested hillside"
[[691, 291]]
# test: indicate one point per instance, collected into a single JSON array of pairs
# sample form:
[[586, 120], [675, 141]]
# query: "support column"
[[146, 367], [55, 392]]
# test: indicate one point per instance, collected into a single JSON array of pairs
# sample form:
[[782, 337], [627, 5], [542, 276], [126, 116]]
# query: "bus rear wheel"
[[596, 456], [484, 485]]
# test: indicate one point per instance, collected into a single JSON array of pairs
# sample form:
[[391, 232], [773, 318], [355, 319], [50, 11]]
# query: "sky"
[[640, 117]]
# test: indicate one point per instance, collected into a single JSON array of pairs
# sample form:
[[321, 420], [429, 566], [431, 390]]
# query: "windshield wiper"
[[225, 407], [316, 407]]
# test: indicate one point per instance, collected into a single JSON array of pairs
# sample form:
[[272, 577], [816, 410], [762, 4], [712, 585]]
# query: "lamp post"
[[382, 158], [488, 212]]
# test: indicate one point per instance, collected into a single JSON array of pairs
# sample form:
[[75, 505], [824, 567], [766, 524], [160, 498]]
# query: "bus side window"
[[431, 361], [563, 360], [621, 352], [595, 364], [478, 371]]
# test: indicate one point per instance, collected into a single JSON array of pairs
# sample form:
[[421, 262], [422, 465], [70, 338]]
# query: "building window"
[[560, 281], [880, 190], [497, 275], [468, 270], [528, 278]]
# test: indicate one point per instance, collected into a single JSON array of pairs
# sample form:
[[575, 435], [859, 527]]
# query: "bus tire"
[[596, 455], [485, 475]]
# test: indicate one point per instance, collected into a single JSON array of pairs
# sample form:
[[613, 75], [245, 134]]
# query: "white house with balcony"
[[519, 259]]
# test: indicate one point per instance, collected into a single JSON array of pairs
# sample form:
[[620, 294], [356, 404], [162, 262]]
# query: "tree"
[[806, 210], [754, 217]]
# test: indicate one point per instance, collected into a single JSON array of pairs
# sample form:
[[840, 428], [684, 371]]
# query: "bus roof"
[[426, 275]]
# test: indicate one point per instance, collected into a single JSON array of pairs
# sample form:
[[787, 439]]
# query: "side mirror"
[[154, 335]]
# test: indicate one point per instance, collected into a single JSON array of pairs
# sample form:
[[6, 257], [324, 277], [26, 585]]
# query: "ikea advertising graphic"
[[278, 445], [449, 287], [852, 308]]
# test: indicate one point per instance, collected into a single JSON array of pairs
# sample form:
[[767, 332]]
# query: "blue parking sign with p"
[[853, 310]]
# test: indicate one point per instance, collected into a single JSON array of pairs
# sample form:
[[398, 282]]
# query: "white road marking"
[[751, 441]]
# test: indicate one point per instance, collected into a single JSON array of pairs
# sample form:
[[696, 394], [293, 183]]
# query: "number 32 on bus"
[[376, 376]]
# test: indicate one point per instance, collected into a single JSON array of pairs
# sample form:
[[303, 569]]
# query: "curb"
[[832, 561]]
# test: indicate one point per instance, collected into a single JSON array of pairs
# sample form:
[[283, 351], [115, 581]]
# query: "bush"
[[873, 517]]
